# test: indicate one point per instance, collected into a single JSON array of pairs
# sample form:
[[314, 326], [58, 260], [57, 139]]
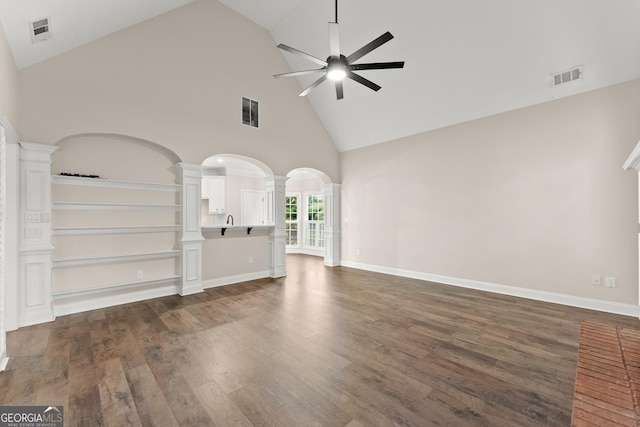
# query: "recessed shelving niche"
[[112, 235]]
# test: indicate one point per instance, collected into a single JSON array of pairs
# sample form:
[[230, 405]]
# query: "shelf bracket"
[[222, 230], [249, 230]]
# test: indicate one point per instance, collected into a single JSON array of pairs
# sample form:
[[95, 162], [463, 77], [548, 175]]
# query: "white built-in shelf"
[[76, 231], [90, 206], [120, 286], [113, 183], [112, 259]]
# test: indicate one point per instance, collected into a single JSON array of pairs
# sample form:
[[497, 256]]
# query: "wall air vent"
[[567, 76], [39, 30]]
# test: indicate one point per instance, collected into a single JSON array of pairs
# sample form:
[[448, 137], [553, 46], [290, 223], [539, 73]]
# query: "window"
[[314, 221], [249, 112], [291, 219]]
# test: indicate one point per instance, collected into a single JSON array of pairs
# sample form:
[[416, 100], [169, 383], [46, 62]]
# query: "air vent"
[[40, 30], [567, 76]]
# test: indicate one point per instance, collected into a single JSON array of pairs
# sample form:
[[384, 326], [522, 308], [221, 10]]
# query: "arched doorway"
[[312, 213], [241, 222]]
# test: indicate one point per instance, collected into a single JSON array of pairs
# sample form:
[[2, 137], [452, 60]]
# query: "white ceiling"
[[465, 59]]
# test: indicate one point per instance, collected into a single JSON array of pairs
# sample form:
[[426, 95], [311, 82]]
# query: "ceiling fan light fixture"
[[337, 67], [336, 71]]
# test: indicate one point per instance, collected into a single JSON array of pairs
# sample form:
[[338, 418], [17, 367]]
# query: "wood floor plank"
[[322, 346], [153, 409], [118, 406], [221, 409]]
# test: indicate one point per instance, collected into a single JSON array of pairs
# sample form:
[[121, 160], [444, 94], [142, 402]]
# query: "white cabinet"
[[213, 188]]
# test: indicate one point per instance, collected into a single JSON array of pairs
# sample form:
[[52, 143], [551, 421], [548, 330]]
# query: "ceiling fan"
[[337, 66]]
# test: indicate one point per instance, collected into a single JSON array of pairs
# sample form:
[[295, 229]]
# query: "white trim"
[[102, 289], [73, 262], [230, 280], [75, 231], [11, 234], [633, 161], [113, 183], [552, 297], [3, 246], [87, 206], [88, 302]]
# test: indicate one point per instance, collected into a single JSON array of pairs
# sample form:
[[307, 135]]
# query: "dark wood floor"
[[334, 347]]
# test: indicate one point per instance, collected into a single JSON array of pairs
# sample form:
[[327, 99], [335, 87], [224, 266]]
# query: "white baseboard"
[[86, 300], [229, 280], [552, 297], [72, 304], [37, 318], [3, 363]]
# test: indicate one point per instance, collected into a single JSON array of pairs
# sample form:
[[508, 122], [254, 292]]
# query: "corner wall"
[[8, 80], [535, 199], [8, 236]]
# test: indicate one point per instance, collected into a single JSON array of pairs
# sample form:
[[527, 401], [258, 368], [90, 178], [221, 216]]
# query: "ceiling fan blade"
[[368, 83], [378, 65], [301, 53], [339, 91], [369, 47], [334, 39], [313, 85], [299, 73]]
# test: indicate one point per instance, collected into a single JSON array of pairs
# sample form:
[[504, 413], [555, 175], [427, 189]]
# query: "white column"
[[633, 162], [276, 191], [331, 224], [190, 176], [3, 227], [10, 235], [35, 304]]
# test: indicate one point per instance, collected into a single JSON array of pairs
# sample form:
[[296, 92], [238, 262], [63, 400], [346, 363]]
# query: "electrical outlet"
[[140, 273], [596, 280], [610, 282], [357, 251], [250, 260]]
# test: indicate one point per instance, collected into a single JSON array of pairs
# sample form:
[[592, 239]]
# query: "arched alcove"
[[116, 221], [115, 156]]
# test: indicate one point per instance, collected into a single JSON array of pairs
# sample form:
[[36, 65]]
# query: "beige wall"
[[177, 80], [8, 80], [533, 198], [302, 185]]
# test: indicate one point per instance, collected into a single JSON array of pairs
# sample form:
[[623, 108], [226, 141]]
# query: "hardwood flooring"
[[321, 347]]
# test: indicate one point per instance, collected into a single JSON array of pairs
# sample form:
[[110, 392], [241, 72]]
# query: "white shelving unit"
[[90, 207]]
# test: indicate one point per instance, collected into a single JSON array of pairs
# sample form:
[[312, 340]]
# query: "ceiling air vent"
[[567, 76], [39, 30]]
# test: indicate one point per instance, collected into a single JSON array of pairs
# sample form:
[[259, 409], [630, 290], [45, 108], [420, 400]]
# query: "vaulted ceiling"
[[465, 59]]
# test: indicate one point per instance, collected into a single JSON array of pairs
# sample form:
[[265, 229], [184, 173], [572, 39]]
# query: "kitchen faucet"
[[230, 217]]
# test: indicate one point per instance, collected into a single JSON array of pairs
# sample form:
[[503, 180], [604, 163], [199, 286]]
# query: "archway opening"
[[233, 190], [306, 212]]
